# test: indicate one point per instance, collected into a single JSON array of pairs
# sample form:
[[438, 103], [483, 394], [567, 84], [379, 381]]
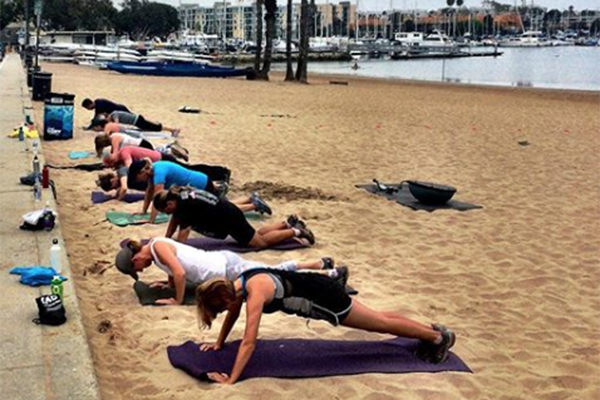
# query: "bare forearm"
[[172, 227], [228, 324], [241, 360], [183, 235], [179, 288], [153, 214], [121, 192], [148, 198]]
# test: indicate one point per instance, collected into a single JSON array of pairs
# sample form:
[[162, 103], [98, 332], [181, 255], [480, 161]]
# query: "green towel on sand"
[[120, 218]]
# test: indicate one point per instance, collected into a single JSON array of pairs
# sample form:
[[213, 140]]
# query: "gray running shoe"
[[307, 234], [179, 152], [425, 347], [437, 353], [294, 222], [328, 263], [260, 204], [440, 351], [222, 189]]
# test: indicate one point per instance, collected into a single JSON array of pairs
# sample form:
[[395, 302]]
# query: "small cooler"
[[58, 116]]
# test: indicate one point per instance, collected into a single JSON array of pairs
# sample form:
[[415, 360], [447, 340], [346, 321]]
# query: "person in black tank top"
[[307, 295], [218, 218]]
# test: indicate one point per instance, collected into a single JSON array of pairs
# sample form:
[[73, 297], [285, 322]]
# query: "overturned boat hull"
[[176, 69]]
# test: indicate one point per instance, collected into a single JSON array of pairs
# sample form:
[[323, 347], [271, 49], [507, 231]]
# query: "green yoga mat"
[[120, 218]]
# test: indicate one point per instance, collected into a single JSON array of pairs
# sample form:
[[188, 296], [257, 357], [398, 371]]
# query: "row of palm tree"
[[262, 60]]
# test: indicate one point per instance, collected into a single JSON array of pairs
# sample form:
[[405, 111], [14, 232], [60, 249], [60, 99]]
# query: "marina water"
[[563, 67]]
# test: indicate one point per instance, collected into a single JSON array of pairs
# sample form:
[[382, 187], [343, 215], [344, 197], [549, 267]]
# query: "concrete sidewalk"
[[36, 361]]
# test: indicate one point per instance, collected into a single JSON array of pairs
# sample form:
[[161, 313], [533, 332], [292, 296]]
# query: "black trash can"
[[42, 85], [30, 72]]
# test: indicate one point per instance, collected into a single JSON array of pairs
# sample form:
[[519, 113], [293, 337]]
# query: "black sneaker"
[[222, 189], [328, 263], [260, 204], [180, 152], [227, 175], [307, 234], [294, 222], [426, 348], [343, 275], [440, 352]]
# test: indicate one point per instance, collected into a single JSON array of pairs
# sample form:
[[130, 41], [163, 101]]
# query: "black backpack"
[[51, 310]]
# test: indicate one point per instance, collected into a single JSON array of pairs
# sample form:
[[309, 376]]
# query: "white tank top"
[[199, 265], [127, 140]]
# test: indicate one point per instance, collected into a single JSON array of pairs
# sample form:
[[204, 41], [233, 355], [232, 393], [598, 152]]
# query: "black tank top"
[[277, 303]]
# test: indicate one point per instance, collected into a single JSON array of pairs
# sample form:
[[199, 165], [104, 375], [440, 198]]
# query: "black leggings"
[[214, 172], [146, 125], [146, 144]]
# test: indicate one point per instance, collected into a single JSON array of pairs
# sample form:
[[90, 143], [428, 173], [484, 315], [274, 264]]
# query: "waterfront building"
[[236, 20]]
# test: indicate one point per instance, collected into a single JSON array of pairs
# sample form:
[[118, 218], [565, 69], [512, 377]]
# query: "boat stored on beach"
[[176, 69]]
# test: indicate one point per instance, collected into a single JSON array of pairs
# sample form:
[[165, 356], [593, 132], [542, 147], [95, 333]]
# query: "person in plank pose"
[[186, 265], [307, 295], [216, 217]]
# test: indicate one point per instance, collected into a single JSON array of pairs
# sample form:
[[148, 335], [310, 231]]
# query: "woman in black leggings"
[[309, 296]]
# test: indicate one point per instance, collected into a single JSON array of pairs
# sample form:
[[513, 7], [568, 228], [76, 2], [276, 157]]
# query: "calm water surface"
[[550, 67]]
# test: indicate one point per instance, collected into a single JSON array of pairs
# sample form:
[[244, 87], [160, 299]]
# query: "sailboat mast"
[[356, 29]]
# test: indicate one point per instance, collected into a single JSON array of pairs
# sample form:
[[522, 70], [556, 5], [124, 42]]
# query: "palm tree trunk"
[[289, 73], [271, 10], [259, 36], [301, 70]]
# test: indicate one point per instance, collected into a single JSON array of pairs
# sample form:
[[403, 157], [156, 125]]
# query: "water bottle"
[[56, 286], [45, 177], [37, 190], [55, 256], [36, 165], [35, 147], [21, 134]]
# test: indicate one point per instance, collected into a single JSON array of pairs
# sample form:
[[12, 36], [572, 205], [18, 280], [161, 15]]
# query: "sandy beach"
[[518, 280]]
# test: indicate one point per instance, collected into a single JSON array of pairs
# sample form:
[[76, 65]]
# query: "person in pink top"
[[129, 154]]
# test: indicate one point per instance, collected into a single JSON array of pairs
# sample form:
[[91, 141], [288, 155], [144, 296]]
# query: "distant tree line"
[[137, 18], [548, 21]]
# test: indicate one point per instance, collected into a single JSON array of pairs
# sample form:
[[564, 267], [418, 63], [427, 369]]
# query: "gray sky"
[[422, 4]]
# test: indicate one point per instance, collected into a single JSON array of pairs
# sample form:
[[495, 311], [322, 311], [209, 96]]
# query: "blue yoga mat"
[[77, 155], [100, 197], [299, 358]]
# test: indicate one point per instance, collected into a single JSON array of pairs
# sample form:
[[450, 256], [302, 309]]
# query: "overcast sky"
[[421, 4]]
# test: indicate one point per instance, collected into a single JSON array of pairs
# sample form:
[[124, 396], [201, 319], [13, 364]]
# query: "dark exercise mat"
[[404, 197], [148, 296], [299, 358], [100, 197], [210, 244], [83, 167]]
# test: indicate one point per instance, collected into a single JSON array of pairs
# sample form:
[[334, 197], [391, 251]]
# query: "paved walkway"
[[36, 362]]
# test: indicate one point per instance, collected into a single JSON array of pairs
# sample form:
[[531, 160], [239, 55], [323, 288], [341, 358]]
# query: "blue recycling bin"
[[58, 116]]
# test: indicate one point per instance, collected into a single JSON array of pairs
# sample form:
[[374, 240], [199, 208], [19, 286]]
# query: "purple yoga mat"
[[210, 244], [100, 197], [299, 358]]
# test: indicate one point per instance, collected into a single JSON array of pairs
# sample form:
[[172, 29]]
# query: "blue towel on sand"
[[36, 276], [76, 155]]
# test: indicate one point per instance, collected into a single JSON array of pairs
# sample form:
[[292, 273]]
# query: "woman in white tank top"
[[187, 265], [117, 141]]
